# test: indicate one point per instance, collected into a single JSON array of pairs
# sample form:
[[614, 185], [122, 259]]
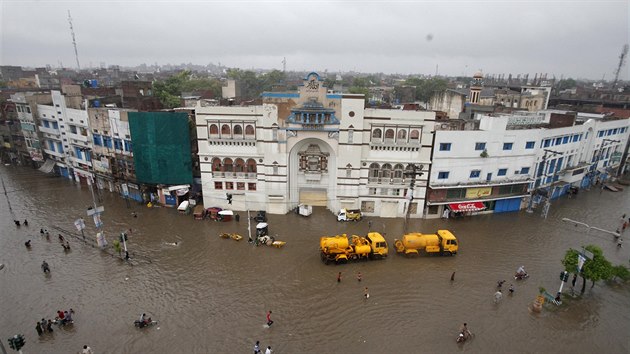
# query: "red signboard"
[[474, 206]]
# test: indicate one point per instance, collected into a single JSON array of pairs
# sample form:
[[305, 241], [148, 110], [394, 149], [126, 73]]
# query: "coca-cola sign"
[[468, 206]]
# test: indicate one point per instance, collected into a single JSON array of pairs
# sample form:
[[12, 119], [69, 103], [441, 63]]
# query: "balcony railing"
[[507, 181], [234, 175], [49, 130]]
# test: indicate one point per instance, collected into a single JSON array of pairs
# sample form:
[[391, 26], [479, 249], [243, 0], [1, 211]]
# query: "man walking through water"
[[269, 321]]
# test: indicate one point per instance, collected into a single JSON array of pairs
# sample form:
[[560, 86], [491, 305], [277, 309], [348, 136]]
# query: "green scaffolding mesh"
[[161, 147]]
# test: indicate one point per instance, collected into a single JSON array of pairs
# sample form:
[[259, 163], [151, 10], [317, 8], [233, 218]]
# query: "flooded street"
[[210, 295]]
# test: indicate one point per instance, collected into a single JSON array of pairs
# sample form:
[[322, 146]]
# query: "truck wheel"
[[447, 253]]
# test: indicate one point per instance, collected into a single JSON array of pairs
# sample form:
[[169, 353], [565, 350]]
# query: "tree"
[[361, 91], [621, 272], [270, 79], [361, 82], [566, 84], [598, 268], [426, 88], [169, 91], [251, 86]]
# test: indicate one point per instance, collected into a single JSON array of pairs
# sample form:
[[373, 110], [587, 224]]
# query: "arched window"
[[214, 129], [389, 134], [239, 165], [348, 170], [227, 165], [398, 171], [251, 165], [386, 172], [274, 132], [249, 130], [374, 172], [216, 164], [402, 135], [414, 135], [377, 134], [238, 130], [225, 130]]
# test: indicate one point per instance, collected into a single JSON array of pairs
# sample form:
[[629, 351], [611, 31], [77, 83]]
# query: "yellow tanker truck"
[[340, 249], [443, 243]]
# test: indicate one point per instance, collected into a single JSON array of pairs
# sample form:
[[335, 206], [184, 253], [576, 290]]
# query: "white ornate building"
[[314, 147]]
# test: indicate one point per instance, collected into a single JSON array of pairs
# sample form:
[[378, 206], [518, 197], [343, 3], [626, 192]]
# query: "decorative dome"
[[478, 75]]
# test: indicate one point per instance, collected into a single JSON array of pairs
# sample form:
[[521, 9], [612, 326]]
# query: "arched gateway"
[[312, 173]]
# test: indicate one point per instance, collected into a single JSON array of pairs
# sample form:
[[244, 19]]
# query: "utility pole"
[[415, 171], [552, 188], [95, 211], [6, 196]]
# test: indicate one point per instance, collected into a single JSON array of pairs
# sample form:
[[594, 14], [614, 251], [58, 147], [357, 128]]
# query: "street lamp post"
[[415, 171], [96, 210]]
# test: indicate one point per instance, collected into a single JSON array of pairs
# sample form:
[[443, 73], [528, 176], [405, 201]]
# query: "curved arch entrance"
[[312, 173]]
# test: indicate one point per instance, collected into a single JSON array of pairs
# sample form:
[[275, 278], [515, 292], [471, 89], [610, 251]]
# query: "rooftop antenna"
[[622, 59], [74, 42], [284, 64]]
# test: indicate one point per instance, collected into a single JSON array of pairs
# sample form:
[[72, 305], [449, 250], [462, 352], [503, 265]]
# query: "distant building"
[[457, 101]]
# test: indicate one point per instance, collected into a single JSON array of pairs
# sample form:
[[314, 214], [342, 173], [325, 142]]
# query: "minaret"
[[475, 88]]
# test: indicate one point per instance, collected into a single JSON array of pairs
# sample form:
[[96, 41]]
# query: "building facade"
[[65, 132], [512, 161], [316, 148], [112, 151]]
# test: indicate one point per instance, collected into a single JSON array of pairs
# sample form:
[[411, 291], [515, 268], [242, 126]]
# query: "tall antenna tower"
[[74, 42], [284, 64], [622, 59]]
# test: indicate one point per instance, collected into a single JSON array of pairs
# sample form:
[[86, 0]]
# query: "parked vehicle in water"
[[305, 210], [442, 243], [340, 248], [349, 215]]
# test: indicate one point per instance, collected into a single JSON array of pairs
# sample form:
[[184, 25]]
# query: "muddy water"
[[210, 294]]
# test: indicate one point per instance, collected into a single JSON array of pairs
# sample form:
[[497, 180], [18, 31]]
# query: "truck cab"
[[449, 242], [349, 215], [378, 245]]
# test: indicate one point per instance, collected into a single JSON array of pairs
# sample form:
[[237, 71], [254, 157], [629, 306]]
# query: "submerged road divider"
[[135, 259]]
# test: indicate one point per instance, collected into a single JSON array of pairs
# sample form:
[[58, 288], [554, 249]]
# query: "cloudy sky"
[[570, 38]]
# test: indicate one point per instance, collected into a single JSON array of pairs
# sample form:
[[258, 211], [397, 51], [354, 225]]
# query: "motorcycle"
[[59, 322], [462, 337], [265, 240], [142, 324], [521, 276]]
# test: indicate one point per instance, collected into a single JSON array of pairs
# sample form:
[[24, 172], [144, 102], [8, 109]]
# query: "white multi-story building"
[[316, 148], [65, 134], [495, 168]]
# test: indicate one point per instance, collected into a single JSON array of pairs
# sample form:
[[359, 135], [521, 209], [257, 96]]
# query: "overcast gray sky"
[[570, 38]]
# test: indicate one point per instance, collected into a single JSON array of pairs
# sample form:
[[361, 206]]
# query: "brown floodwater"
[[210, 295]]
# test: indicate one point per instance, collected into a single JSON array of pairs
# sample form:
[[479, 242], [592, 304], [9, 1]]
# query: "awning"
[[48, 166], [474, 206]]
